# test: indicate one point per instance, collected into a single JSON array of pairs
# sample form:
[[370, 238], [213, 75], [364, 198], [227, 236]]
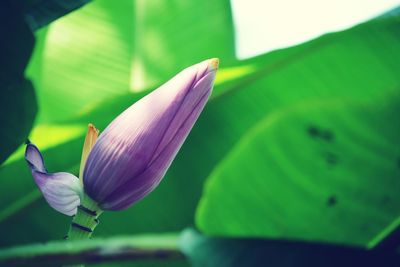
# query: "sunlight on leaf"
[[228, 74], [47, 136]]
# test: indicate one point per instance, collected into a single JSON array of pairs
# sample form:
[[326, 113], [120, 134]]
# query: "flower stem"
[[85, 220]]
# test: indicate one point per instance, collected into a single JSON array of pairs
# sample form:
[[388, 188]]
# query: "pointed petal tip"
[[92, 128], [30, 150], [213, 64], [34, 158], [30, 147], [90, 139]]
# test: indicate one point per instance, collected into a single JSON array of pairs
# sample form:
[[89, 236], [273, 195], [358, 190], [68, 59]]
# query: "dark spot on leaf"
[[331, 201], [327, 135], [313, 131], [331, 159]]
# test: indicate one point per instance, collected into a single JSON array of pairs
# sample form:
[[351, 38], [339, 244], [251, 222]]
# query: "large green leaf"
[[18, 110], [39, 13], [204, 251], [322, 171], [175, 34], [16, 51], [85, 59], [17, 98], [103, 61]]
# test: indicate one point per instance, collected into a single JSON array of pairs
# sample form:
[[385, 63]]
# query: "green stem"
[[142, 248], [85, 220]]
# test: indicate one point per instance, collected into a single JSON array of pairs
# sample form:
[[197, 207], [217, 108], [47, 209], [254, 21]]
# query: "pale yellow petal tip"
[[213, 63], [90, 139], [92, 129]]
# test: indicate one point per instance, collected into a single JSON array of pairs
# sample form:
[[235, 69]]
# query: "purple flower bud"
[[131, 156], [133, 153]]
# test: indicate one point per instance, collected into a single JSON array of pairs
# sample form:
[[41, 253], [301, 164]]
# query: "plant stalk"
[[85, 220]]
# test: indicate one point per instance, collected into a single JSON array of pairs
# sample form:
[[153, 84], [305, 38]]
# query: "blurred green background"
[[301, 143]]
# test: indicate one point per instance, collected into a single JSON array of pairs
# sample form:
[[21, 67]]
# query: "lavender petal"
[[61, 190]]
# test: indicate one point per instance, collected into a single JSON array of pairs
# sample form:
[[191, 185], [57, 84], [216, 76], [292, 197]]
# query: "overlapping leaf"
[[321, 171], [17, 98], [85, 59], [204, 251]]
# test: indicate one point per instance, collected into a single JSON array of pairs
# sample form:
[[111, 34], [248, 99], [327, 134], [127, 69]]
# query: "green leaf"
[[176, 34], [16, 51], [18, 110], [321, 171], [80, 66], [17, 98], [103, 60], [39, 13], [354, 64], [205, 251]]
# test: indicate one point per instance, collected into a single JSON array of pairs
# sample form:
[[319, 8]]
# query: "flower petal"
[[134, 151], [61, 190], [34, 158], [90, 140], [135, 189]]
